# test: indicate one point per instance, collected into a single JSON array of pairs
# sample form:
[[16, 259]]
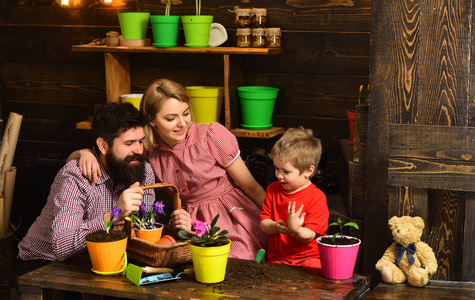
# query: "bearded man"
[[77, 207]]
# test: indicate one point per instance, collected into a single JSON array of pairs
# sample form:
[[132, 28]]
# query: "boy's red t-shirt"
[[286, 248]]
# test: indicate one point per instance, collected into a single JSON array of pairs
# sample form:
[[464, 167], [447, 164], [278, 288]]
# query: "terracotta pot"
[[351, 120], [151, 235], [166, 240]]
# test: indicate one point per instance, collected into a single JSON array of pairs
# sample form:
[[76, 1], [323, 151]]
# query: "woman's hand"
[[181, 219], [88, 165]]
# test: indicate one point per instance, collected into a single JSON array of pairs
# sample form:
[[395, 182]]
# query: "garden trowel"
[[134, 272]]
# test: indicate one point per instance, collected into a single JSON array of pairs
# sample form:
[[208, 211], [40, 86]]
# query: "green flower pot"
[[197, 29], [165, 30]]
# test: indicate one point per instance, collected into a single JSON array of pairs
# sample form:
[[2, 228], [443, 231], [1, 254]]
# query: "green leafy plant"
[[205, 235], [340, 223]]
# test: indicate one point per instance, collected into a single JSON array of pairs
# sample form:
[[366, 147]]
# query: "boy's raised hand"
[[295, 219]]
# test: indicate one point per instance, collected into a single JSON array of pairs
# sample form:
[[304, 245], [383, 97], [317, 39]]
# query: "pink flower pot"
[[338, 261]]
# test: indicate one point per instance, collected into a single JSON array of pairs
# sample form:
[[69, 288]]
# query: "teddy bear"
[[407, 258]]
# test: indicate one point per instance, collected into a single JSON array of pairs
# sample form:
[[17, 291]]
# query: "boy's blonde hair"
[[299, 147]]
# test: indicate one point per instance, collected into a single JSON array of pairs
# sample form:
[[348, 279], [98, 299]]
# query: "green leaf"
[[352, 224], [332, 224], [197, 240], [334, 236], [214, 221], [184, 234], [224, 232]]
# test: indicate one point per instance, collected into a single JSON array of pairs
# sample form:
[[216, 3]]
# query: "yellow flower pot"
[[210, 262]]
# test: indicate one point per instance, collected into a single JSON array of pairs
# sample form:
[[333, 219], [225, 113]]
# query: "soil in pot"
[[103, 236], [342, 240]]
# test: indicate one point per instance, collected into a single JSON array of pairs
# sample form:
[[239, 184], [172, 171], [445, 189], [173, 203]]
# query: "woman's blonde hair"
[[299, 147], [157, 93]]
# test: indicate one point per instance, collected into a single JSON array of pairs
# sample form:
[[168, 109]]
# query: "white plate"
[[217, 35]]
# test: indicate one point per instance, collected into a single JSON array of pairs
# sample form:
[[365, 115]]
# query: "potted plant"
[[209, 248], [338, 252], [351, 113], [146, 223], [165, 28], [197, 28], [107, 248]]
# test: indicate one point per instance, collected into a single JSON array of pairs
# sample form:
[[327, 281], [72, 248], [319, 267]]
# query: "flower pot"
[[351, 120], [257, 105], [206, 103], [338, 261], [210, 263], [134, 99], [107, 257], [197, 30], [165, 30], [151, 235], [133, 25]]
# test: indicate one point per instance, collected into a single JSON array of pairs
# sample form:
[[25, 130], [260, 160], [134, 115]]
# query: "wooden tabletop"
[[76, 275]]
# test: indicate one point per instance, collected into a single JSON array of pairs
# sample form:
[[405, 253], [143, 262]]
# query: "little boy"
[[293, 232]]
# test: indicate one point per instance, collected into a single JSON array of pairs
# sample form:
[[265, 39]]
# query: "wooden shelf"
[[177, 50], [118, 76]]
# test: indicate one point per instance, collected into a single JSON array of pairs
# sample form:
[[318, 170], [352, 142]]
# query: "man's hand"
[[295, 219], [181, 219], [130, 200]]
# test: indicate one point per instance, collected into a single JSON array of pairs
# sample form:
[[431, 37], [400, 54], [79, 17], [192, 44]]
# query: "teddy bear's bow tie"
[[400, 249]]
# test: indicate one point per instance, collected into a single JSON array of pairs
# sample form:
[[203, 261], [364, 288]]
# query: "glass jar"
[[243, 17], [259, 18], [112, 38], [258, 38], [273, 39], [243, 37]]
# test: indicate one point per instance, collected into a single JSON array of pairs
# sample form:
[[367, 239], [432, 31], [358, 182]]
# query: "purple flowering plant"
[[144, 219], [113, 220], [204, 234]]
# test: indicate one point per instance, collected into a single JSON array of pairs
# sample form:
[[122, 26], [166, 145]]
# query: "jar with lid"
[[243, 17], [273, 37], [258, 38], [259, 18], [112, 38], [243, 37]]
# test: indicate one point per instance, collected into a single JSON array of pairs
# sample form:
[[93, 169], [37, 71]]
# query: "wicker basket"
[[145, 253], [6, 266]]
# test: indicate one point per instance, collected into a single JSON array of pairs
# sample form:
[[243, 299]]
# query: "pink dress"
[[197, 166]]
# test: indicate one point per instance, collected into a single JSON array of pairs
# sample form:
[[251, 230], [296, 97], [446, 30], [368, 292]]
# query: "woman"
[[204, 162]]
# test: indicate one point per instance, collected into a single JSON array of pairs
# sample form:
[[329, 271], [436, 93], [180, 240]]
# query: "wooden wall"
[[420, 134], [326, 46]]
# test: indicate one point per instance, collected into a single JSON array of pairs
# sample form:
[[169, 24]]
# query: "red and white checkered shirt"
[[75, 208]]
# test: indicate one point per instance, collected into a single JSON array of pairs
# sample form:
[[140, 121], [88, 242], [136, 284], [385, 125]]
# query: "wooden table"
[[76, 275]]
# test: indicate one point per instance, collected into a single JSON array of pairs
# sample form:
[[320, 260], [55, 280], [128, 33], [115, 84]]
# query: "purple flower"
[[157, 209], [114, 214], [143, 211]]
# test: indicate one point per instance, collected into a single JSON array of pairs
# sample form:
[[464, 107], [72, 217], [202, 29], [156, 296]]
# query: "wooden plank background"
[[421, 78], [326, 54]]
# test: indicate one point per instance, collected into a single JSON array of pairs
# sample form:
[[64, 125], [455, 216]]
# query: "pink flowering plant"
[[204, 234], [144, 219]]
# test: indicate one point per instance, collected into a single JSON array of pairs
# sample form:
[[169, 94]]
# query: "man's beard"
[[122, 171]]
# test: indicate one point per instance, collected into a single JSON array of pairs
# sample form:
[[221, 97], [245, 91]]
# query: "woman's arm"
[[87, 164], [243, 178]]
